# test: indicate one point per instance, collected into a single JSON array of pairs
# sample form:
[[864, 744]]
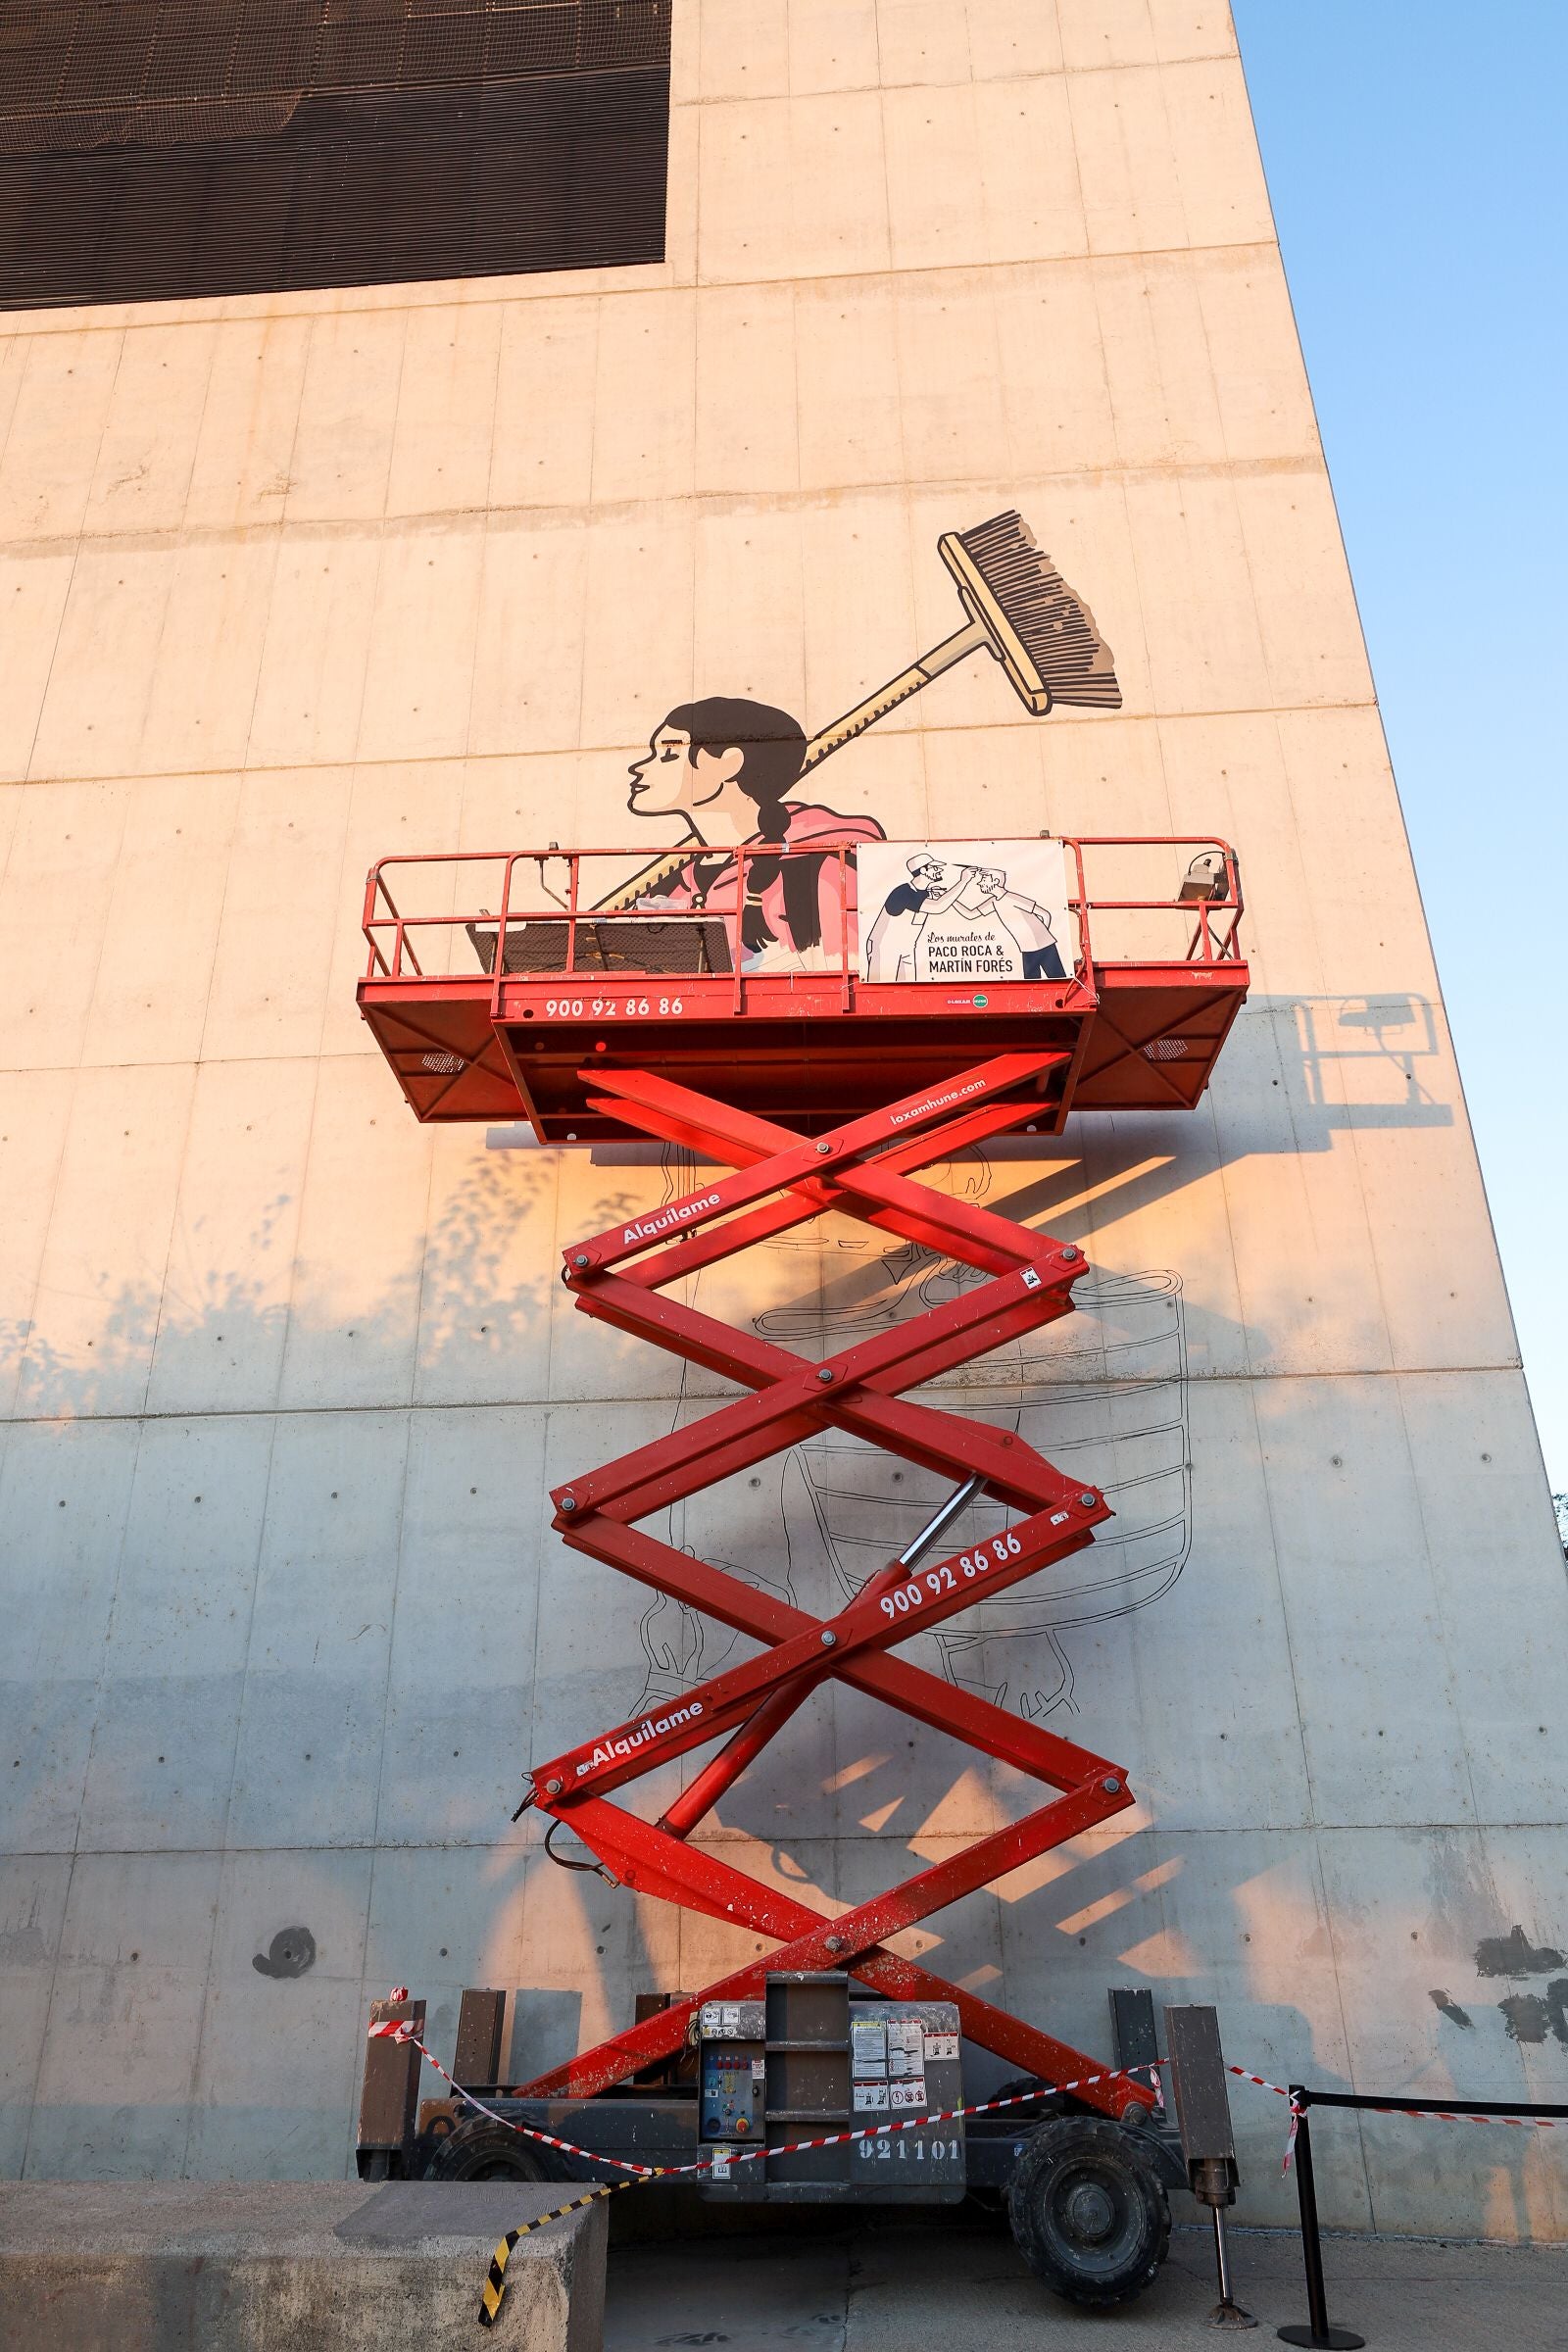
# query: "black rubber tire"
[[1088, 2211], [478, 2150]]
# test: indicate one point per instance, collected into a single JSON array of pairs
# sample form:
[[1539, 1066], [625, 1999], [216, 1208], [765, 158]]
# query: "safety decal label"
[[869, 2050], [939, 2047], [905, 2048], [870, 2098]]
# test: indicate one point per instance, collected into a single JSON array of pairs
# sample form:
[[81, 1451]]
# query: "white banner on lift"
[[965, 911]]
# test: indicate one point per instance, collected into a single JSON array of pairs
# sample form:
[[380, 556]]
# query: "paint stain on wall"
[[1531, 2016], [1525, 2016], [1557, 2010], [21, 1943], [1451, 2008], [289, 1954], [1513, 1955]]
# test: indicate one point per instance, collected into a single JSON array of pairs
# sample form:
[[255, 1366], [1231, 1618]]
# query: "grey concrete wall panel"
[[292, 582]]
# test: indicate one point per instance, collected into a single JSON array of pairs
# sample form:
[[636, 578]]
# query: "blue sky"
[[1415, 161]]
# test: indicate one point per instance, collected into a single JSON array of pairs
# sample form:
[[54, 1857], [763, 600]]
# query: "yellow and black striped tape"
[[494, 2286]]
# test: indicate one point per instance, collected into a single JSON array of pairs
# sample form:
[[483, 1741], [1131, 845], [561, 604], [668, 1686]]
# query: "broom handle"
[[970, 639], [647, 880]]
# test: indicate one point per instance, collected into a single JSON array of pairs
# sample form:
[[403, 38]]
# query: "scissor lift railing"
[[574, 1046], [562, 894], [493, 979]]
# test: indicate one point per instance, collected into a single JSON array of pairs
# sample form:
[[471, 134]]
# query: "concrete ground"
[[951, 2281]]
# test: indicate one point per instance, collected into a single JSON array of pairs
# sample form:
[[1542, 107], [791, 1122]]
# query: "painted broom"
[[1020, 611], [1018, 608]]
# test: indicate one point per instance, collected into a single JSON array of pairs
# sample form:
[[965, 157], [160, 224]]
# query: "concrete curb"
[[254, 2267]]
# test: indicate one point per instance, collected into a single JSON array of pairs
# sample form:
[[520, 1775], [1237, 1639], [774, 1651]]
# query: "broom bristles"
[[1051, 622]]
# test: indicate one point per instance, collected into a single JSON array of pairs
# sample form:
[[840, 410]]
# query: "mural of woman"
[[725, 764]]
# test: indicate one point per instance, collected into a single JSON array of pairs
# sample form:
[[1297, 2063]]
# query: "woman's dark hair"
[[774, 745], [775, 748]]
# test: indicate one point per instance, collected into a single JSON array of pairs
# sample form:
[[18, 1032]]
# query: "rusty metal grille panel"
[[154, 150]]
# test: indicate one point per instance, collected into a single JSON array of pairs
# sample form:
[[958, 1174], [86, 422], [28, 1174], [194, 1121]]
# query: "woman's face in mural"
[[668, 782]]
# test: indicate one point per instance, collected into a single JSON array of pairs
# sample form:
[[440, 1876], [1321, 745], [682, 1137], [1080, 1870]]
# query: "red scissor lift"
[[594, 1025]]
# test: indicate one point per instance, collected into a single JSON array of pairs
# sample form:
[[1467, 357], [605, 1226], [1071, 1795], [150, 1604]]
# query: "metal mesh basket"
[[684, 947]]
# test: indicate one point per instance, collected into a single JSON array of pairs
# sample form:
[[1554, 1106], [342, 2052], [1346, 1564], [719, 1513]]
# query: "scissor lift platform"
[[819, 1090], [496, 989]]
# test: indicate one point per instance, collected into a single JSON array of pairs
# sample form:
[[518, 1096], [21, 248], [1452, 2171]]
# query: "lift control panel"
[[810, 2063], [732, 2072], [733, 2081]]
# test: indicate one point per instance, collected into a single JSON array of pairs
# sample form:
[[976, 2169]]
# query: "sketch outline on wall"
[[1114, 1400]]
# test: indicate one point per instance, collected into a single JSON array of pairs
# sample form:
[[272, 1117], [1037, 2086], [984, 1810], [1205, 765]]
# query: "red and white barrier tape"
[[400, 2030], [1263, 2083], [1433, 2115], [1428, 2114], [1262, 2080], [1457, 2115]]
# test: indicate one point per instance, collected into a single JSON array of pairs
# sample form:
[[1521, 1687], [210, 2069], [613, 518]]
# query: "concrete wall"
[[290, 584]]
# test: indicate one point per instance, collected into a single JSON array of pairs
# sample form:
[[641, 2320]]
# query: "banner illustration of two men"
[[966, 911]]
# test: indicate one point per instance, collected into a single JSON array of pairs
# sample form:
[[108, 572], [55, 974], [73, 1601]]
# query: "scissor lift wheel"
[[478, 2149], [1088, 2211]]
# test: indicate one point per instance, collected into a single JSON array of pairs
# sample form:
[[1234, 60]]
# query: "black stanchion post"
[[1317, 2332]]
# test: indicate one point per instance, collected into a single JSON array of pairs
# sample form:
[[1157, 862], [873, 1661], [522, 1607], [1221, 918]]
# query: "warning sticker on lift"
[[869, 2050], [940, 2047], [870, 2098], [905, 2064], [905, 2048], [721, 2170]]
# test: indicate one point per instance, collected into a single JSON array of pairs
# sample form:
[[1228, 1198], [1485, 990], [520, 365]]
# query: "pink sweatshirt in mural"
[[781, 905]]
